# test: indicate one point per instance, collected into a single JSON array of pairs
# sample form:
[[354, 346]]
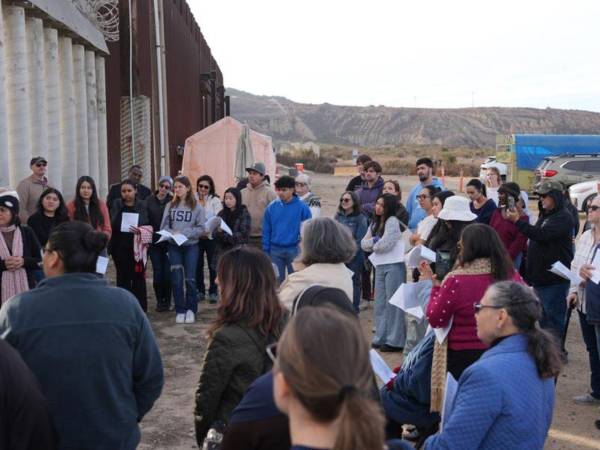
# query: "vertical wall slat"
[[67, 117], [102, 134], [16, 93], [4, 165], [92, 114], [36, 89], [52, 95], [83, 161]]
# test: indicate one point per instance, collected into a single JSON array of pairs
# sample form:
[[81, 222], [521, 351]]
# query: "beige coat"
[[329, 275], [30, 190], [256, 200]]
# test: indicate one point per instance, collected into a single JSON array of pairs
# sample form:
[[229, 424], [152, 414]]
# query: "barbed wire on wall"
[[102, 13]]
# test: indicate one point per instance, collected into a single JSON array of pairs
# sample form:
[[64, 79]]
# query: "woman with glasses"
[[249, 317], [87, 207], [210, 201], [424, 227], [349, 214], [383, 237], [161, 276], [302, 187], [482, 260], [505, 400]]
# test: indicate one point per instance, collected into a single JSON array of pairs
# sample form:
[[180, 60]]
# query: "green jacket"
[[235, 357]]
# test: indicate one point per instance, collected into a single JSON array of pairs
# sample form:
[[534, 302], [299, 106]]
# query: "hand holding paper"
[[381, 369], [177, 237], [129, 221], [561, 270]]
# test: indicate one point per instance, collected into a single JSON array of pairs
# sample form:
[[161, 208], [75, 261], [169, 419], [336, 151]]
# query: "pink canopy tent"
[[212, 151]]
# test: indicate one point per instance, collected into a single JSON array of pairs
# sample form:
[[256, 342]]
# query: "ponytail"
[[361, 425], [542, 347]]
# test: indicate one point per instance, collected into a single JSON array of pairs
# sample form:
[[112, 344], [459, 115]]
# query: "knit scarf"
[[15, 281], [439, 365]]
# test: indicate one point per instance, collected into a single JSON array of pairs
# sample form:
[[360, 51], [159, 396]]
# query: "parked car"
[[582, 193], [568, 169], [492, 162]]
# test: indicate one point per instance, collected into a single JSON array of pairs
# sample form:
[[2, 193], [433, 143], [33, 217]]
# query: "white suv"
[[580, 193]]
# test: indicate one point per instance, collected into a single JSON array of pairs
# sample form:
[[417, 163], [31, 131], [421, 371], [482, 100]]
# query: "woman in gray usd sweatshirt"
[[184, 216]]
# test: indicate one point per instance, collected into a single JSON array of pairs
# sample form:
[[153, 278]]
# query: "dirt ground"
[[170, 423]]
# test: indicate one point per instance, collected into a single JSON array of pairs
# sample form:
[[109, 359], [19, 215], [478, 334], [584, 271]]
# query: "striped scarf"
[[13, 281]]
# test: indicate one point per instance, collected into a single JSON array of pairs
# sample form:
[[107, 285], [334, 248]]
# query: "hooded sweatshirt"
[[181, 219], [368, 196], [550, 240], [281, 224], [256, 200]]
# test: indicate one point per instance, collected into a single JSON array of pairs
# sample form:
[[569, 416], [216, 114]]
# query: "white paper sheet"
[[101, 264], [440, 333], [226, 228], [395, 255], [407, 299], [165, 236], [212, 224], [129, 220], [449, 397], [381, 369], [596, 273], [561, 270], [418, 254]]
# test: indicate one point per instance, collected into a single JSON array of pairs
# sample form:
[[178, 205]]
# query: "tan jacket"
[[329, 275], [30, 190], [256, 200]]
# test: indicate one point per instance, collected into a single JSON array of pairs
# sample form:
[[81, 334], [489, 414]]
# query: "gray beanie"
[[166, 178]]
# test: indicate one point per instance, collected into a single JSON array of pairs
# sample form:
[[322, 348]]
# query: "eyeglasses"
[[40, 164], [272, 351], [300, 184], [203, 186], [164, 186], [346, 200], [423, 196], [478, 307], [594, 208], [543, 195]]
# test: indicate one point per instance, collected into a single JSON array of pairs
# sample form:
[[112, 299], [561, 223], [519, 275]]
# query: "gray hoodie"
[[181, 219]]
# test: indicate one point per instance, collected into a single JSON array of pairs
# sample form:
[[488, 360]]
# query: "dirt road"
[[170, 423]]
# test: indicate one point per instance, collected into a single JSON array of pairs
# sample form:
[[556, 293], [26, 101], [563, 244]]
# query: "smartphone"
[[443, 264], [511, 203]]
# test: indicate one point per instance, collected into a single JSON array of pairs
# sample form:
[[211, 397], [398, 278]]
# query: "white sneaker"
[[190, 317], [180, 318]]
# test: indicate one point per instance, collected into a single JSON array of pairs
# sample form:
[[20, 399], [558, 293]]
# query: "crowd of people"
[[287, 362]]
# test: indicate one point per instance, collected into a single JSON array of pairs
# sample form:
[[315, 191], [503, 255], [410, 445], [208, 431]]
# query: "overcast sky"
[[425, 53]]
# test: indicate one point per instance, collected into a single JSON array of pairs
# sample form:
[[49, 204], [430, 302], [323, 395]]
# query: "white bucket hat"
[[457, 208]]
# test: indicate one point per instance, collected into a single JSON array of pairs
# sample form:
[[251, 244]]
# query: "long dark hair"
[[248, 292], [390, 205], [478, 185], [94, 216], [78, 245], [227, 214], [525, 310], [332, 382], [211, 183], [355, 203], [60, 215], [482, 241]]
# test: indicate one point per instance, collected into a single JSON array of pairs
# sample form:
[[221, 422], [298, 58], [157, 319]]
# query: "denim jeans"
[[282, 257], [183, 270], [161, 273], [517, 261], [356, 266], [389, 319], [553, 299], [208, 247], [591, 344]]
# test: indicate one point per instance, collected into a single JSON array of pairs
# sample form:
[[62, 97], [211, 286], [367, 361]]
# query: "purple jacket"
[[368, 196]]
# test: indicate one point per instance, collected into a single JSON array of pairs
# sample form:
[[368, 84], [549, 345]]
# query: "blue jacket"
[[501, 403], [357, 223], [281, 223], [415, 212], [92, 349]]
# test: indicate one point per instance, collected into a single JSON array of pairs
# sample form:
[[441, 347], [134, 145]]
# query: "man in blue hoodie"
[[281, 225]]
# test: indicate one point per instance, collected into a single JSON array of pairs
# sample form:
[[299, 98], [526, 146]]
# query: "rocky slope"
[[375, 126]]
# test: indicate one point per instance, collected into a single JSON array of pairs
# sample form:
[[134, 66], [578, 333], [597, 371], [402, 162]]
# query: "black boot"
[[160, 297]]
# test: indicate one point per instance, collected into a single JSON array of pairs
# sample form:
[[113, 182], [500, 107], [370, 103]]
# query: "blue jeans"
[[282, 257], [183, 269], [389, 319], [591, 344], [553, 298], [208, 247], [161, 273]]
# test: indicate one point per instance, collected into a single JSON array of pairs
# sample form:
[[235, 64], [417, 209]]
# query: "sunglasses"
[[423, 197], [272, 351], [164, 186], [40, 164], [478, 307], [594, 208], [203, 186], [346, 200]]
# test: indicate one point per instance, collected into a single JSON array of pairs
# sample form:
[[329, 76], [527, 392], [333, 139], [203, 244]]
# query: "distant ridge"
[[378, 126]]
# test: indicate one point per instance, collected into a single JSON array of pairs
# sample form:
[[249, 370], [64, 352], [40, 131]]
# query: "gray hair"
[[326, 241], [303, 178]]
